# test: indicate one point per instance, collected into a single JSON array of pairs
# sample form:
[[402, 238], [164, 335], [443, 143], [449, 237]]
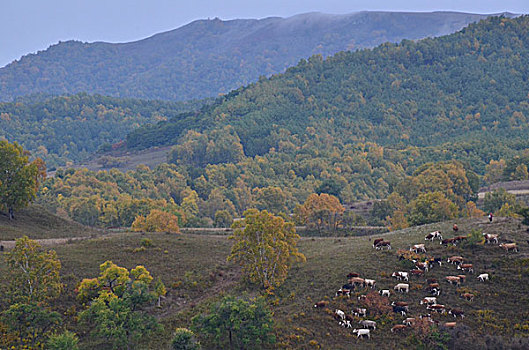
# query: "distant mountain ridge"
[[208, 57]]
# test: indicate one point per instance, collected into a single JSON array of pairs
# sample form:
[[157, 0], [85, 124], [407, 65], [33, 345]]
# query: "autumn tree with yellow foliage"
[[265, 247], [321, 211], [156, 221]]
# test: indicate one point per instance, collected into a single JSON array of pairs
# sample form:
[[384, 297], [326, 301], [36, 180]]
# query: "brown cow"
[[450, 324], [453, 280], [417, 272], [468, 296], [457, 312], [376, 242], [321, 304], [398, 328], [509, 246], [357, 281], [466, 267]]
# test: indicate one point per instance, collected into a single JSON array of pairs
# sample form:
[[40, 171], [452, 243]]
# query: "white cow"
[[429, 300], [370, 283], [385, 292], [362, 332], [402, 287], [483, 277], [340, 313]]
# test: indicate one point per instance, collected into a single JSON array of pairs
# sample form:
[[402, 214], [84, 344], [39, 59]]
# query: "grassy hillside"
[[37, 223], [197, 274], [208, 57]]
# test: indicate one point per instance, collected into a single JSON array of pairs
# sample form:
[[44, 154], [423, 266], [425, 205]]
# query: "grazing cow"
[[352, 274], [376, 242], [348, 286], [421, 265], [429, 300], [344, 292], [459, 239], [449, 241], [357, 281], [359, 312], [398, 328], [339, 313], [483, 277], [468, 296], [455, 260], [439, 308], [466, 267], [489, 237], [409, 321], [401, 304], [402, 287], [453, 280], [384, 292], [509, 246], [345, 324], [362, 332], [399, 310], [416, 248], [433, 235], [462, 277], [362, 297], [457, 312], [401, 275], [370, 283], [321, 304], [417, 272], [383, 244], [450, 324], [368, 324]]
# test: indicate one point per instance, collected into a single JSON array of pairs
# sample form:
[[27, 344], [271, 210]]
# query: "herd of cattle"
[[423, 264]]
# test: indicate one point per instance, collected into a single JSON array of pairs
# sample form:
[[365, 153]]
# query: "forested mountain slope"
[[70, 128], [208, 57], [456, 95]]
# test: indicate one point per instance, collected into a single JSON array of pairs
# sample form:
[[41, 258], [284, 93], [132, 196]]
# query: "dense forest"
[[375, 124], [209, 57], [67, 129], [466, 93]]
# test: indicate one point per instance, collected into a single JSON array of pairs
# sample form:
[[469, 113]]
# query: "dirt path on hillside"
[[47, 241]]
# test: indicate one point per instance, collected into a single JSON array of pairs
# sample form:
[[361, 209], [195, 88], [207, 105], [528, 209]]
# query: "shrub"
[[184, 339], [64, 341]]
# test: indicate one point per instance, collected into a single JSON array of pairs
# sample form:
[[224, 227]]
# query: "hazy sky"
[[30, 25]]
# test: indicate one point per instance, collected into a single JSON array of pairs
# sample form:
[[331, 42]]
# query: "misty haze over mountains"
[[210, 57]]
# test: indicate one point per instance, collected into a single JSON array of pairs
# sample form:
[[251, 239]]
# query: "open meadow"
[[195, 271]]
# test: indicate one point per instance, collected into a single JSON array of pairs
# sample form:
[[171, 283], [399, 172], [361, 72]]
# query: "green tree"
[[19, 179], [116, 305], [237, 324], [184, 339], [265, 247], [494, 200], [431, 207], [223, 218], [31, 323], [33, 275], [63, 341]]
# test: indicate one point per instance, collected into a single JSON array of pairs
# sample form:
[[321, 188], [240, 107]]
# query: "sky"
[[28, 26]]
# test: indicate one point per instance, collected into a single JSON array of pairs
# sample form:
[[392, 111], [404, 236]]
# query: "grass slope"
[[37, 223], [194, 269]]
